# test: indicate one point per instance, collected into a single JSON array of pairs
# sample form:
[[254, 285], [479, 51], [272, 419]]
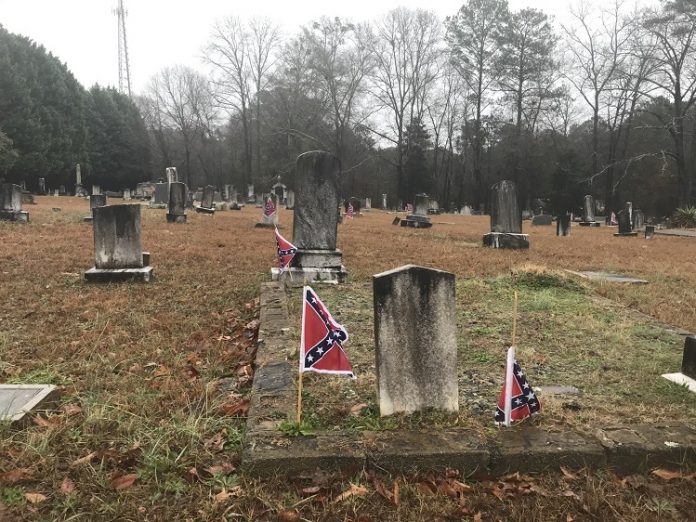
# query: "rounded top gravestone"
[[315, 222]]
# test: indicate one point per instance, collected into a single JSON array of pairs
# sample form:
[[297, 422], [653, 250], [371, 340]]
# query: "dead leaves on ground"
[[15, 476], [121, 482], [673, 475]]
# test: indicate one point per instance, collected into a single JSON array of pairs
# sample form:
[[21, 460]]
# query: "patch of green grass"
[[12, 496]]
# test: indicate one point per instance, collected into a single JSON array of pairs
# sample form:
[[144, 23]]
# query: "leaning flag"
[[517, 400], [349, 212], [321, 347], [286, 251], [270, 208], [409, 207], [612, 219]]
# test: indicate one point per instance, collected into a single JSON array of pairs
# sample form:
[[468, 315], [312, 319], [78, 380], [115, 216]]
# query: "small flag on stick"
[[517, 399], [322, 341], [349, 211], [613, 220], [269, 209], [285, 250]]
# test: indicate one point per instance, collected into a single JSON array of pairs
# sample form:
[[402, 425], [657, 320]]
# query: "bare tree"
[[598, 43], [474, 35], [674, 29], [406, 48], [340, 57], [183, 101]]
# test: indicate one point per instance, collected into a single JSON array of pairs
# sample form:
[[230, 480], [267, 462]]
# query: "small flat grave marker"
[[17, 400], [687, 376], [609, 277]]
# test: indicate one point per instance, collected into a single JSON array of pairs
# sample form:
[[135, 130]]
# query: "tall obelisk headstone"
[[506, 218], [588, 213]]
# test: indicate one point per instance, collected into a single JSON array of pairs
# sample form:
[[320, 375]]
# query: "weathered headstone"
[[126, 194], [95, 200], [251, 195], [563, 224], [542, 220], [687, 376], [638, 219], [384, 202], [11, 203], [588, 213], [368, 204], [56, 193], [506, 218], [161, 196], [172, 175], [419, 217], [625, 225], [315, 221], [207, 205], [290, 200], [96, 189], [415, 340], [62, 191], [118, 253], [649, 231], [42, 186], [177, 202], [466, 210]]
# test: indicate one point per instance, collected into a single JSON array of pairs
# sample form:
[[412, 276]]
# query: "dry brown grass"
[[136, 359]]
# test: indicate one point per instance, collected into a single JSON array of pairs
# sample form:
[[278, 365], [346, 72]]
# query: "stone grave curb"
[[524, 448]]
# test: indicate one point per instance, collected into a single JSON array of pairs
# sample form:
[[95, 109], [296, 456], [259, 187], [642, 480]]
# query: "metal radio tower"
[[124, 81]]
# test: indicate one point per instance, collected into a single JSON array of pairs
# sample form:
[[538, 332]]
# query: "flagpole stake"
[[299, 398], [514, 319]]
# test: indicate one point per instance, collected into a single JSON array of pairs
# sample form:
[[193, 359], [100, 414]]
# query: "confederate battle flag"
[[349, 212], [321, 348], [286, 251], [517, 400], [270, 208]]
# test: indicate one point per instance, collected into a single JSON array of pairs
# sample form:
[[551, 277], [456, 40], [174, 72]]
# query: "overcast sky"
[[83, 33]]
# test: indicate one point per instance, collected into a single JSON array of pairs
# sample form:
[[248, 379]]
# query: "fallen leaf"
[[568, 475], [35, 498], [668, 475], [67, 487], [50, 422], [352, 491], [122, 482], [397, 498], [312, 490], [161, 371], [225, 494], [72, 409], [217, 441], [478, 517], [84, 460], [357, 409], [289, 515], [221, 469], [569, 518], [498, 493], [16, 475], [426, 488], [570, 494], [238, 408]]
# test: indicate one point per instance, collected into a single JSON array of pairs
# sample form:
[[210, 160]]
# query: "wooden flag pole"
[[299, 398], [514, 319]]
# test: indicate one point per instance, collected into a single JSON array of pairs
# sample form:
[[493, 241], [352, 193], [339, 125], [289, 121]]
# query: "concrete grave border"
[[524, 448]]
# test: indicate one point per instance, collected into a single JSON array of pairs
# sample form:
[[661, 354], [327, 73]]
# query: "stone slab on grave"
[[506, 219], [414, 310], [608, 277], [118, 253], [687, 376], [17, 401]]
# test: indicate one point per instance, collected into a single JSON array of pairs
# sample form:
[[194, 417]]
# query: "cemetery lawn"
[[140, 432]]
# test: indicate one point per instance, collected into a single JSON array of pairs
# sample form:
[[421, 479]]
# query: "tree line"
[[412, 103]]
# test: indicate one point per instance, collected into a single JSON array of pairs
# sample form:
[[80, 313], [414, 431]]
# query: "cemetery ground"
[[155, 378]]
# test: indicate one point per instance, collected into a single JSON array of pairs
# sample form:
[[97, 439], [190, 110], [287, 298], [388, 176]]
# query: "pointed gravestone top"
[[416, 345]]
